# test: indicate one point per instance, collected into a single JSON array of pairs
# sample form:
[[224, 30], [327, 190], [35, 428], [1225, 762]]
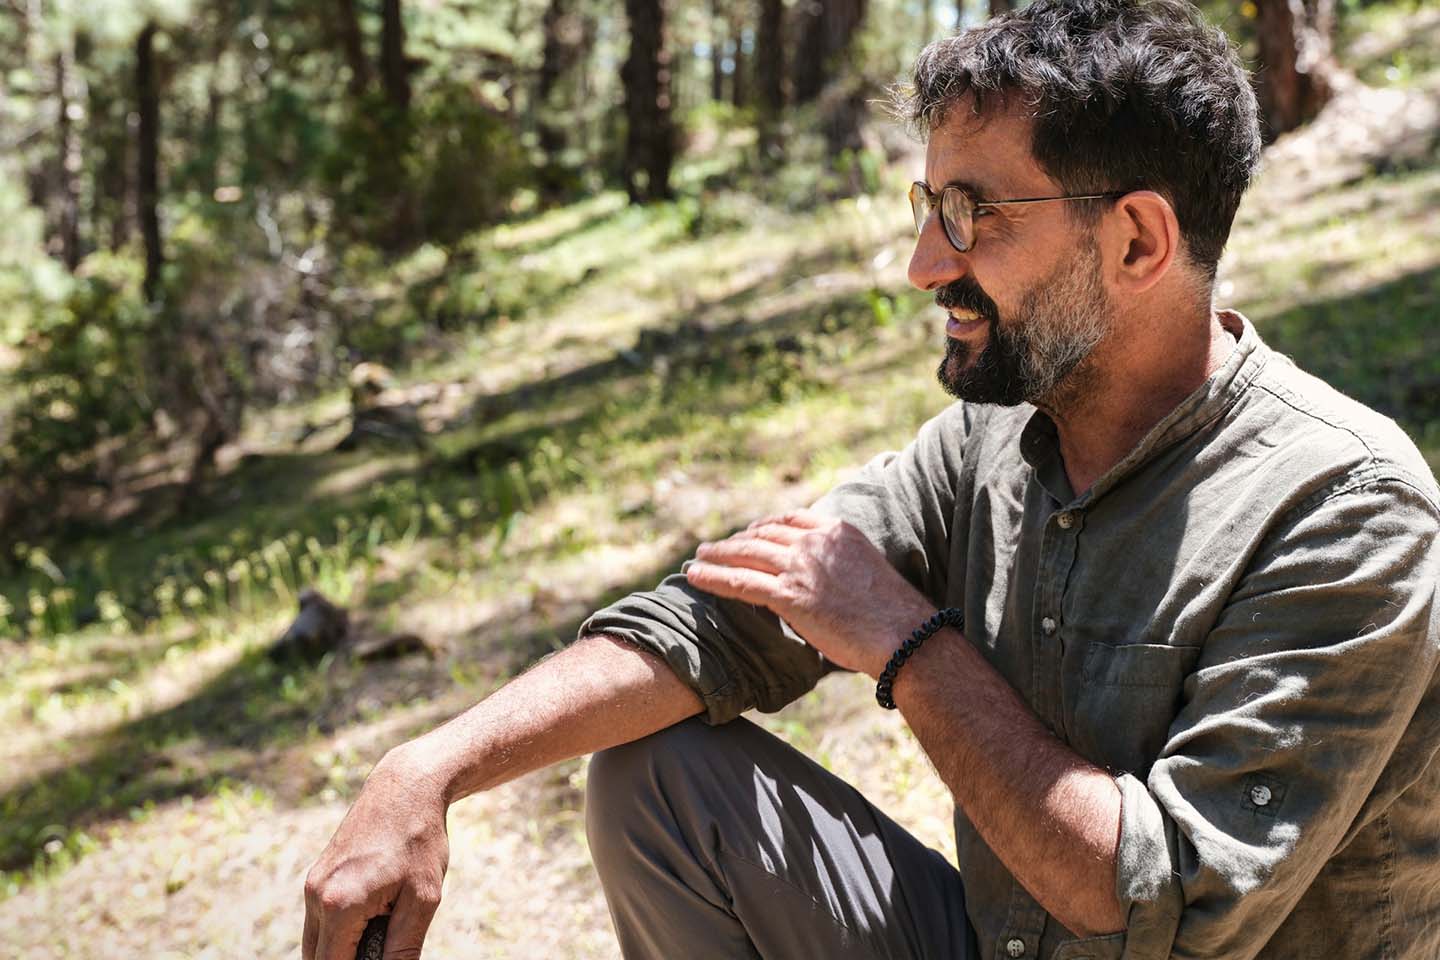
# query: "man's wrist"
[[424, 763], [906, 620]]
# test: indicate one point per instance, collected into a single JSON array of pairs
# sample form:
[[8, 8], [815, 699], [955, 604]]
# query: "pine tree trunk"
[[563, 36], [395, 79], [959, 15], [770, 76], [825, 29], [998, 7], [809, 63], [147, 96], [1297, 67], [739, 85], [770, 55], [395, 72], [69, 160], [347, 24], [649, 138], [717, 53]]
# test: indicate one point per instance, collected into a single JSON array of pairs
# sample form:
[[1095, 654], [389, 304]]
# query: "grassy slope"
[[165, 786]]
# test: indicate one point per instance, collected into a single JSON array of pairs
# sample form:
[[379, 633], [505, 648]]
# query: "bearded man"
[[1170, 602]]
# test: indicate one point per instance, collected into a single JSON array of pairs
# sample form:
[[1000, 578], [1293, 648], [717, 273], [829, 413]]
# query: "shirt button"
[[1260, 795], [1066, 520], [1048, 625], [1015, 947]]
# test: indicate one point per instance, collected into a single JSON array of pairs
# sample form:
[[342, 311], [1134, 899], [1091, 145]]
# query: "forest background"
[[352, 351]]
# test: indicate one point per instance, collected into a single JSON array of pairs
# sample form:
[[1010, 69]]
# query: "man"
[[1191, 705]]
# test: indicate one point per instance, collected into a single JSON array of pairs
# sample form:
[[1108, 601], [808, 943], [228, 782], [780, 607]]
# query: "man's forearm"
[[597, 693], [1050, 816]]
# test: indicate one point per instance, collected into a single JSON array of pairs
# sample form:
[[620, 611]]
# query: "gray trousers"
[[726, 842]]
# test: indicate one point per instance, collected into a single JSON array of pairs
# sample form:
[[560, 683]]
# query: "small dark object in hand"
[[372, 941]]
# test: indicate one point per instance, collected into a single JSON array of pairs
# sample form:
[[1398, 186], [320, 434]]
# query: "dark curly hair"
[[1126, 94]]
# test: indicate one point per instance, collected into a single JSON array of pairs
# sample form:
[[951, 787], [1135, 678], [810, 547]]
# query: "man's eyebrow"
[[974, 190]]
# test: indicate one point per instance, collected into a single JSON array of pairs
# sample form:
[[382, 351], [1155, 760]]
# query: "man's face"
[[1026, 303]]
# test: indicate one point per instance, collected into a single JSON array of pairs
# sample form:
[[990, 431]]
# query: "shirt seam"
[[1359, 479], [1379, 465], [1387, 898]]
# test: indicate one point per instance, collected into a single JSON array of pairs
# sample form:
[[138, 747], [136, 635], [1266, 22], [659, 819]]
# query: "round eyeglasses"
[[957, 209]]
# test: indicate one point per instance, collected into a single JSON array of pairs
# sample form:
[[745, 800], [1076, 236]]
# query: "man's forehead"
[[989, 152]]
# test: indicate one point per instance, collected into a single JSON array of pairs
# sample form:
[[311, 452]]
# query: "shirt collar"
[[1040, 445]]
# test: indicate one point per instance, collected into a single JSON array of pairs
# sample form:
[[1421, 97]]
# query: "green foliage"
[[468, 160], [83, 374]]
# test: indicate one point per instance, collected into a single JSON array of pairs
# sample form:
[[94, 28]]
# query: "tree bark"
[[147, 95], [1297, 66], [717, 53], [563, 36], [770, 78], [395, 71], [70, 159], [809, 64], [770, 55], [348, 26], [825, 30], [395, 78], [739, 86], [649, 138]]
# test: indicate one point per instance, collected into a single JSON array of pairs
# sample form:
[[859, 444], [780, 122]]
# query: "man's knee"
[[635, 787], [617, 777]]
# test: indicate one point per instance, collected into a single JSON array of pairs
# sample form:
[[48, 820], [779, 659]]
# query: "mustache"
[[965, 294]]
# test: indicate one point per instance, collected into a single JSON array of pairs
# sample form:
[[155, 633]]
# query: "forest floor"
[[671, 374]]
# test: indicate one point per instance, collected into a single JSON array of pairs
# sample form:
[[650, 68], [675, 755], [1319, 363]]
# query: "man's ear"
[[1143, 235]]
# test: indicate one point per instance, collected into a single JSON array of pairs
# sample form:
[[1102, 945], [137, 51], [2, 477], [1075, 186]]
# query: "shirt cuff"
[[735, 656], [1147, 882]]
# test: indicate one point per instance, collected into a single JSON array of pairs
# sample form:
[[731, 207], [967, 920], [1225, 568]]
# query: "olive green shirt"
[[1239, 620]]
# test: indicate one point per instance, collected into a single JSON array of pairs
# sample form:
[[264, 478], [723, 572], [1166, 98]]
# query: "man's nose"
[[935, 262]]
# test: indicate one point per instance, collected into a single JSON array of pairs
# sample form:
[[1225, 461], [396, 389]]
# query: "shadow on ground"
[[1380, 345], [237, 725]]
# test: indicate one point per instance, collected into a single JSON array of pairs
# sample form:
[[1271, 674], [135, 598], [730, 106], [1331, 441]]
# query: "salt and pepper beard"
[[1037, 356]]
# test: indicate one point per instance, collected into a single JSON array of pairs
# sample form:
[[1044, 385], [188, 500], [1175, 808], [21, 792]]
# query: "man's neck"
[[1135, 380]]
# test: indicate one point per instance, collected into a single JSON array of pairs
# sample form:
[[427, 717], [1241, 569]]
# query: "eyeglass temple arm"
[[1087, 196]]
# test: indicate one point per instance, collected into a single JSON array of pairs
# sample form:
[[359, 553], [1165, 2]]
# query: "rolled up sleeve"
[[1305, 686], [736, 656]]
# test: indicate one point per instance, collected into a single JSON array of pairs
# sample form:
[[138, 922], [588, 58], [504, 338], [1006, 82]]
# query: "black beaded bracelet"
[[949, 617]]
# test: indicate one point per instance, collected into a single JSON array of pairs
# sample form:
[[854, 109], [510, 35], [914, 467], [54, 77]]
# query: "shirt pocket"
[[1126, 700]]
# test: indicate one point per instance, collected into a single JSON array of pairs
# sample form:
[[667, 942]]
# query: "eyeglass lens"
[[956, 213]]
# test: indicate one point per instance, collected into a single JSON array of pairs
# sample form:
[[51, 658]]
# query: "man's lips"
[[960, 322]]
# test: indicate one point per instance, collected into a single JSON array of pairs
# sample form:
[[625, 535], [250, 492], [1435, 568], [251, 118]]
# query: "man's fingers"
[[755, 553], [774, 532], [409, 923], [339, 934], [799, 517], [737, 583]]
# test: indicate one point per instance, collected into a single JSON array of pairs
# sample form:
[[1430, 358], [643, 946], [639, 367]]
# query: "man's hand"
[[388, 857], [823, 578]]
